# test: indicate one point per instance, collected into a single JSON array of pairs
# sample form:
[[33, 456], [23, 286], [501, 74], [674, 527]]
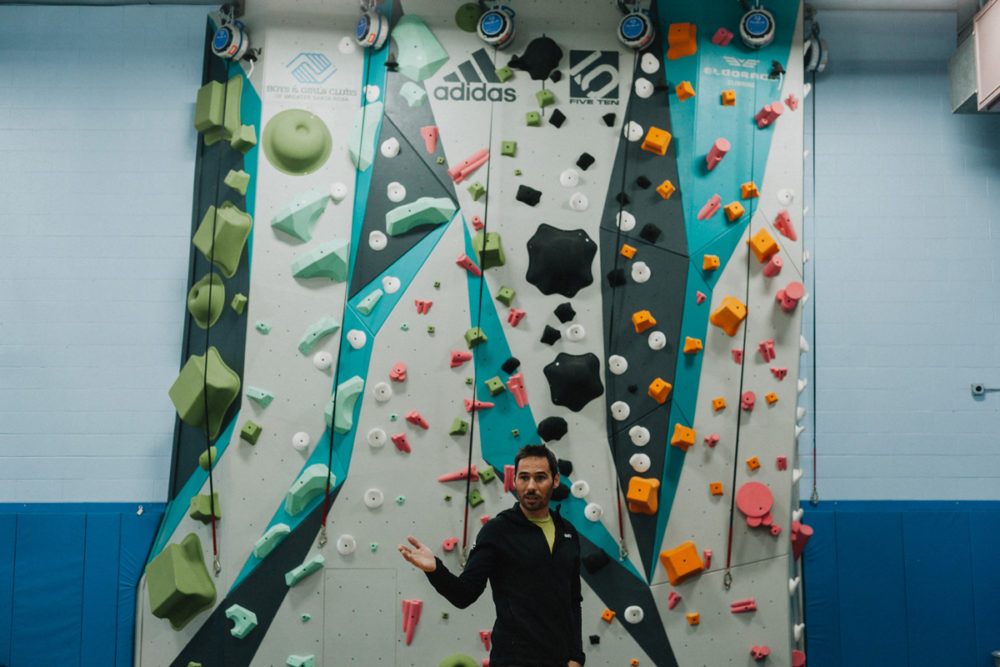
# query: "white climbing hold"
[[620, 410], [391, 284], [786, 196], [578, 201], [346, 45], [657, 340], [639, 435], [617, 364], [580, 488], [374, 498], [649, 63], [395, 191], [300, 440], [377, 437], [639, 462], [793, 585], [569, 178], [346, 544], [593, 512], [377, 240], [797, 514], [382, 392], [356, 338], [634, 614], [643, 88], [337, 192], [322, 360], [633, 131], [372, 93], [575, 332], [390, 147], [625, 221], [641, 272]]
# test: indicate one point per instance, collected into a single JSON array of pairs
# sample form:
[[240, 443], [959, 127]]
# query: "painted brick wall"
[[96, 172], [905, 240]]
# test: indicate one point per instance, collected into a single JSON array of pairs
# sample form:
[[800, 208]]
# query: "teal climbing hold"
[[261, 396], [266, 543], [324, 326], [367, 304], [299, 215], [423, 211], [361, 142], [328, 260], [301, 661], [419, 54], [178, 582], [232, 227], [414, 95], [220, 384], [293, 577], [243, 620], [311, 483], [341, 417]]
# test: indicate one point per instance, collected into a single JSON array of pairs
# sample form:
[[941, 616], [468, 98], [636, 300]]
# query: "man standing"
[[531, 557]]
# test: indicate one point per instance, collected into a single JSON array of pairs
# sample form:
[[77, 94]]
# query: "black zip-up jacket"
[[537, 593]]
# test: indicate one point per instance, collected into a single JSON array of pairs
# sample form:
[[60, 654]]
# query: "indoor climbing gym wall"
[[411, 258]]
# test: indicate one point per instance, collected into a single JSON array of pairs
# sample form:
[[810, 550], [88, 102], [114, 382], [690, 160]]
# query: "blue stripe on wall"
[[8, 530], [100, 589]]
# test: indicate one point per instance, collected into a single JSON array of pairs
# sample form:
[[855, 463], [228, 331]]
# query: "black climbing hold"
[[594, 640], [557, 118], [584, 161], [632, 388], [556, 75], [574, 380], [642, 182], [511, 365], [595, 560], [559, 260], [609, 119], [776, 70], [390, 62], [650, 232], [550, 335], [552, 428], [539, 59], [561, 492], [565, 312], [529, 196], [622, 198], [565, 467], [616, 277]]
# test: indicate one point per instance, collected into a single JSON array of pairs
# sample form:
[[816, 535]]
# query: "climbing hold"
[[243, 620], [423, 211], [202, 505], [178, 582], [552, 428], [768, 114], [250, 432], [266, 543], [728, 316], [539, 59], [640, 462], [681, 562], [515, 316], [239, 303], [559, 261], [642, 495], [356, 338], [373, 498], [390, 147], [682, 40], [317, 331], [684, 90], [297, 142], [474, 336], [207, 293], [327, 260], [528, 195], [224, 247], [639, 435], [633, 614], [310, 484], [574, 380], [301, 440], [294, 576], [376, 437], [298, 216], [261, 396], [593, 512], [346, 544], [505, 296], [341, 415], [550, 335], [195, 387], [488, 249], [361, 140], [656, 141], [402, 444], [463, 169], [368, 303]]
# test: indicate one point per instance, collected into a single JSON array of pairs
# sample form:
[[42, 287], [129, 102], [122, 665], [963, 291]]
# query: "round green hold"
[[458, 660], [296, 142], [206, 299], [467, 16]]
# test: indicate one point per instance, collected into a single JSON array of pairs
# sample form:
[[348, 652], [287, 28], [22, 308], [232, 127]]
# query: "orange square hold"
[[683, 437], [718, 403], [763, 245], [628, 251], [682, 40], [710, 262], [716, 488], [656, 141], [771, 398], [749, 190], [684, 90], [691, 345], [734, 210], [666, 189], [728, 316], [642, 495], [681, 562], [693, 619], [643, 320], [607, 616], [729, 98], [659, 390], [753, 463]]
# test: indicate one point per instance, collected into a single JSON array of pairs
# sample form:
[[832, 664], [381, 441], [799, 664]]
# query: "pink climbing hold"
[[466, 263], [423, 307], [773, 266], [398, 372], [766, 348], [738, 356], [449, 544], [782, 463], [722, 37], [484, 636], [477, 223], [508, 478], [712, 440], [788, 297], [484, 519], [798, 658], [672, 600], [430, 135], [417, 419], [779, 372], [783, 223], [516, 387], [769, 114], [718, 151], [759, 652], [710, 208], [800, 537], [460, 171], [792, 102], [748, 400], [742, 606], [755, 500], [515, 316], [411, 616], [472, 406], [459, 357], [707, 553], [699, 297], [461, 475], [402, 444]]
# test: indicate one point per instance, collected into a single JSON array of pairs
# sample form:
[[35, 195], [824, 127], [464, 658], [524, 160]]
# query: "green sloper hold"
[[367, 304], [365, 124], [300, 214], [414, 95], [293, 577], [458, 660], [232, 227], [208, 458], [208, 293], [237, 180], [208, 107], [420, 54], [301, 661], [324, 326], [266, 543], [310, 484], [188, 391], [201, 508], [341, 417], [328, 260], [178, 582], [423, 211], [487, 246], [296, 142], [243, 620]]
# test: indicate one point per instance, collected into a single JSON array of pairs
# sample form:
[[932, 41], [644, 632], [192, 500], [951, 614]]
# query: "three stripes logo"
[[593, 75], [311, 68], [475, 80]]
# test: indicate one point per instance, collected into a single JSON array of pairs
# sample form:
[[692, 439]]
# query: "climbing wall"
[[409, 262]]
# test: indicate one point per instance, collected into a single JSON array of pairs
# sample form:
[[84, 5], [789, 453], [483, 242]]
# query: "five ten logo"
[[312, 68], [593, 75], [475, 80]]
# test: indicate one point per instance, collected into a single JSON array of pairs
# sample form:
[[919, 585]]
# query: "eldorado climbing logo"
[[593, 75], [475, 80], [311, 68]]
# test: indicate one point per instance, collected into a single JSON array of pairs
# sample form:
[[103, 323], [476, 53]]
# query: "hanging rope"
[[814, 498]]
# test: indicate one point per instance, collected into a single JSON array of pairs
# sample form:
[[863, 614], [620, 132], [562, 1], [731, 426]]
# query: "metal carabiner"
[[727, 580]]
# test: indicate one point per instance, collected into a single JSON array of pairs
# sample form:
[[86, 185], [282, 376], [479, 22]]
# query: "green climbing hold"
[[316, 331], [474, 336], [194, 387], [202, 506], [237, 180], [420, 54], [508, 148], [310, 484], [296, 575], [506, 296], [341, 416], [296, 142], [545, 98], [239, 303], [263, 327], [487, 247], [206, 299], [301, 661], [208, 107], [243, 620], [503, 73], [328, 260], [458, 427], [299, 215], [232, 227], [533, 119], [414, 95], [458, 660], [250, 432], [244, 138], [487, 475], [367, 304], [467, 16], [477, 190], [423, 211], [475, 498], [208, 458], [178, 582], [495, 386], [266, 543]]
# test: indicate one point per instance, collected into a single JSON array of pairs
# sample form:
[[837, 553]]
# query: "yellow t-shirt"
[[548, 527]]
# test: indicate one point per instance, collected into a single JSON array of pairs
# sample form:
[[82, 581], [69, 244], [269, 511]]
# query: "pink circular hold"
[[722, 145], [798, 658], [754, 499], [795, 290]]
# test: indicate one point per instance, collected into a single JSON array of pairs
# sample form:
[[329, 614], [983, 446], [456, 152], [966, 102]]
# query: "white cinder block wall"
[[96, 177]]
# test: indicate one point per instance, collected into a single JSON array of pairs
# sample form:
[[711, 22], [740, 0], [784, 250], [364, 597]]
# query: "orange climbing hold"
[[681, 562], [656, 141], [659, 390], [716, 488], [693, 618], [718, 403], [728, 316], [684, 90], [763, 245], [627, 251], [691, 345], [607, 616], [749, 190], [729, 98], [710, 262], [734, 210], [753, 463], [643, 320], [642, 495], [666, 189], [682, 39], [683, 437]]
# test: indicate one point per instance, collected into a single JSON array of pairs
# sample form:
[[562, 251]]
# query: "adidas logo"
[[475, 80]]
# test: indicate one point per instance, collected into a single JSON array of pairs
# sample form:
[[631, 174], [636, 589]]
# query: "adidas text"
[[481, 93]]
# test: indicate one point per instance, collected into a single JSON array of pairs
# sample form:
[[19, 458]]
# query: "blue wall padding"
[[902, 583], [68, 575]]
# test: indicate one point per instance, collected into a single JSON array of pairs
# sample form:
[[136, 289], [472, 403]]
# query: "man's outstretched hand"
[[419, 556]]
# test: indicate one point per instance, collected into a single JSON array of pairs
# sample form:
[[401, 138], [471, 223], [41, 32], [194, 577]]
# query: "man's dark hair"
[[536, 450]]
